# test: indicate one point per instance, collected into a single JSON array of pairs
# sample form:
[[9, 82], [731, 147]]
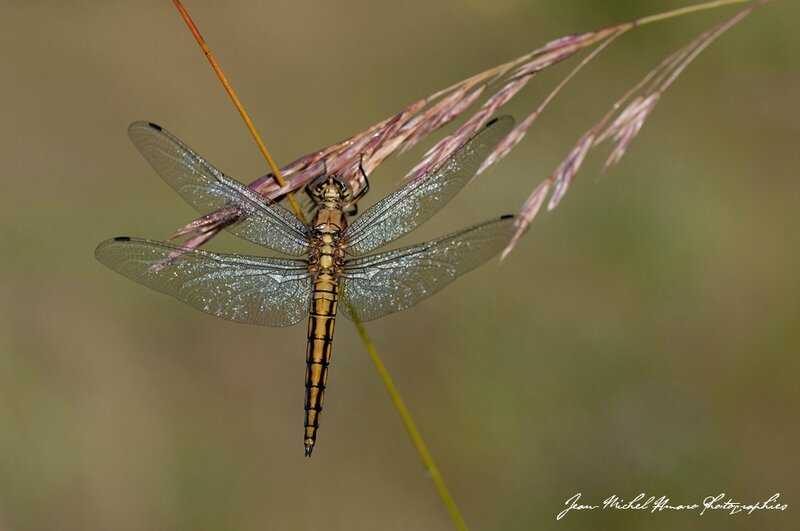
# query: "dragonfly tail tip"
[[309, 449]]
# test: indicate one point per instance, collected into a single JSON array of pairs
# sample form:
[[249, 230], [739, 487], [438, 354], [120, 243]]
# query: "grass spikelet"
[[627, 116]]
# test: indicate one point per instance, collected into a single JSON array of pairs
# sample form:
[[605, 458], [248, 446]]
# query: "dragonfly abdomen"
[[322, 317]]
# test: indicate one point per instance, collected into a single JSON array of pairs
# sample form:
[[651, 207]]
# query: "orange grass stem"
[[229, 89]]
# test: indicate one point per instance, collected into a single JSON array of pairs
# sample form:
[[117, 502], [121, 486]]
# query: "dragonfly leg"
[[353, 210], [365, 188]]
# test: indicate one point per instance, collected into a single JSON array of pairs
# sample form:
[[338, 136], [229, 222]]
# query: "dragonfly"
[[327, 264]]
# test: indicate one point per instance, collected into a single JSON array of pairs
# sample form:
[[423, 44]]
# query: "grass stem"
[[416, 438]]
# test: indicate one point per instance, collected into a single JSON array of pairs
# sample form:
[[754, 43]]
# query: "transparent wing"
[[207, 189], [383, 283], [245, 289], [412, 205]]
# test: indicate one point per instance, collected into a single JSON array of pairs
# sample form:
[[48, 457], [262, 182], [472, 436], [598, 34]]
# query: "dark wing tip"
[[141, 124], [502, 118], [100, 251]]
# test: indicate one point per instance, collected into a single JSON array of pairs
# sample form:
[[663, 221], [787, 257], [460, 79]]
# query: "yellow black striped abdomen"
[[318, 354]]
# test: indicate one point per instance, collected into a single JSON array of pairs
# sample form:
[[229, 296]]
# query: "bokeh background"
[[644, 337]]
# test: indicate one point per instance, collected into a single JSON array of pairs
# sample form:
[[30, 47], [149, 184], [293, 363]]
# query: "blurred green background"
[[644, 336]]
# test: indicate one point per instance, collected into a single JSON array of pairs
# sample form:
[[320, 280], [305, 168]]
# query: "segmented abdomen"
[[318, 354]]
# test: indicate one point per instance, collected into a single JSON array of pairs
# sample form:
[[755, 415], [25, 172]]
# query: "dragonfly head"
[[328, 189]]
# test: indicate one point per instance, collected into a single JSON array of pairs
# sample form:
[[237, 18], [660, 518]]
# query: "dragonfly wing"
[[207, 189], [387, 282], [245, 289], [412, 205]]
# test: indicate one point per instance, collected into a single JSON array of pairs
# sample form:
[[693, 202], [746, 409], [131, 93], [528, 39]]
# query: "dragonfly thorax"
[[327, 250], [329, 219]]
